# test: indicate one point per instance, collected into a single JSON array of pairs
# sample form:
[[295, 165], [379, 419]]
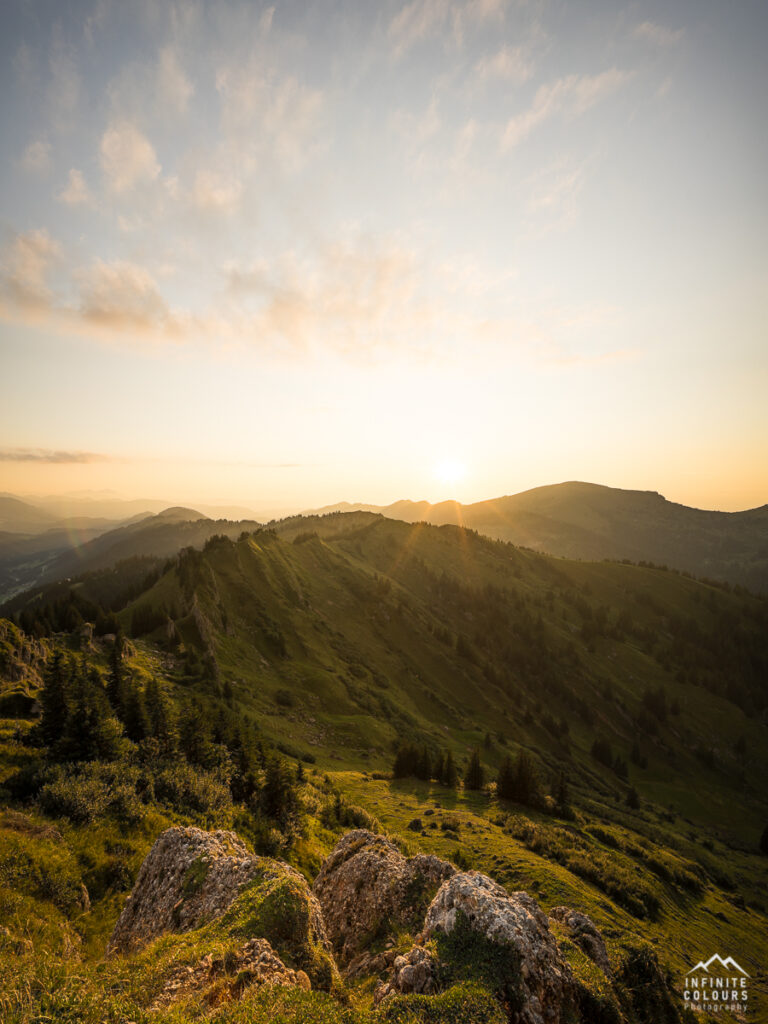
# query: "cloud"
[[173, 86], [64, 88], [269, 114], [217, 192], [25, 269], [573, 95], [354, 297], [36, 158], [658, 34], [49, 456], [122, 296], [127, 157], [75, 192], [512, 64], [421, 19]]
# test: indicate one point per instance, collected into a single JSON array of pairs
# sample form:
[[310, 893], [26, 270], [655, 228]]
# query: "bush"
[[468, 1003], [92, 791]]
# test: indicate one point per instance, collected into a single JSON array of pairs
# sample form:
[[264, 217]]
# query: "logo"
[[716, 985]]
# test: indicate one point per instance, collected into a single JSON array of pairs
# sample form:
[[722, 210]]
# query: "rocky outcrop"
[[416, 971], [366, 886], [213, 980], [514, 921], [584, 933], [187, 878], [208, 881]]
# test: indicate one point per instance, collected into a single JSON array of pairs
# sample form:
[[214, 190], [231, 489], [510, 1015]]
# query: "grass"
[[340, 646]]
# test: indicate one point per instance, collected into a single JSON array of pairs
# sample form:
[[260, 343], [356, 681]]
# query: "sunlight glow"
[[450, 471]]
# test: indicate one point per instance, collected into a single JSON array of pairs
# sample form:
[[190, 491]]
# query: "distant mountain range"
[[592, 522], [42, 558], [572, 520]]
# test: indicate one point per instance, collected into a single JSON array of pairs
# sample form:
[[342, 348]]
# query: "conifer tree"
[[159, 717], [450, 773], [134, 716], [562, 793], [116, 678], [53, 699], [505, 780], [278, 798], [525, 783], [475, 774]]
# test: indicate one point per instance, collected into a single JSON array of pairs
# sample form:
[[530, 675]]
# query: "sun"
[[450, 471]]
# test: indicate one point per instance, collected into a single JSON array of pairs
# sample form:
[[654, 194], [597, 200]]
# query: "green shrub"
[[466, 1003]]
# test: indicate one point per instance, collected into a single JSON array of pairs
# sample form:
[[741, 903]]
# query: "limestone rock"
[[583, 931], [366, 884], [516, 921], [416, 972], [218, 979], [188, 877]]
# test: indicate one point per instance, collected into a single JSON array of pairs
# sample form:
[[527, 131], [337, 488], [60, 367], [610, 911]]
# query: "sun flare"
[[450, 471]]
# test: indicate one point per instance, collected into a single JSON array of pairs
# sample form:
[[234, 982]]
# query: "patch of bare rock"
[[188, 877], [366, 887], [219, 979]]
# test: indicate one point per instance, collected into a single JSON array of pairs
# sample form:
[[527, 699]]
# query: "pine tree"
[[505, 780], [135, 720], [90, 731], [159, 716], [525, 783], [450, 773], [562, 794], [278, 798], [475, 774], [424, 765], [633, 799], [53, 699], [116, 678]]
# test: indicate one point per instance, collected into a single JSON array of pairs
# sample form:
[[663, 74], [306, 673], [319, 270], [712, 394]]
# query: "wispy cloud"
[[37, 157], [127, 156], [173, 86], [511, 64], [24, 269], [421, 19], [659, 35], [75, 192], [48, 455], [123, 296], [572, 96]]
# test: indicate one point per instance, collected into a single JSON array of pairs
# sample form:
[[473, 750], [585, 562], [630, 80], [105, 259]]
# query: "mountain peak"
[[178, 514]]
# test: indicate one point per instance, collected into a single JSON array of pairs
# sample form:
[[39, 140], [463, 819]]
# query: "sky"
[[291, 255]]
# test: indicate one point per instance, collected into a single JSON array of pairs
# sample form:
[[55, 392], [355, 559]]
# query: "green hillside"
[[637, 694], [589, 521]]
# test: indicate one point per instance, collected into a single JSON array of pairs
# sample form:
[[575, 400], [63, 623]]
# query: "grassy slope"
[[351, 624]]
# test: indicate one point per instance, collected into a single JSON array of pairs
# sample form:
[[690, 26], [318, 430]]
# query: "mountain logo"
[[729, 964], [716, 984]]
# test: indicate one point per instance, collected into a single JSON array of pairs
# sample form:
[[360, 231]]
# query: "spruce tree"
[[475, 774], [160, 718], [116, 678], [279, 799], [53, 699], [525, 783], [505, 780], [135, 718], [450, 773], [562, 794]]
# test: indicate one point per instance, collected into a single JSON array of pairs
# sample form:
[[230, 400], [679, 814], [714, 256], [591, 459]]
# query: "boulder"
[[584, 933], [213, 980], [366, 887], [545, 989], [188, 877], [209, 883], [416, 971]]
